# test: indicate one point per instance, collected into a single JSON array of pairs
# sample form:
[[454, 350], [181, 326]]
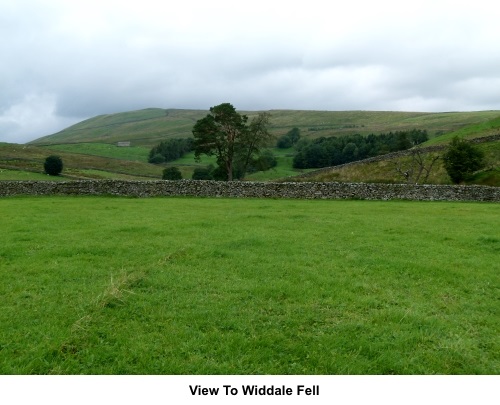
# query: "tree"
[[419, 164], [225, 134], [53, 165], [253, 140], [462, 159], [289, 139], [172, 173]]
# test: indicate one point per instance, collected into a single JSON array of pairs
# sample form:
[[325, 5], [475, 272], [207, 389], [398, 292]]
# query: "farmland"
[[89, 149], [101, 285]]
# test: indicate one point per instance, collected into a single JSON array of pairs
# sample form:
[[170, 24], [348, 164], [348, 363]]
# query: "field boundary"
[[389, 156], [235, 189]]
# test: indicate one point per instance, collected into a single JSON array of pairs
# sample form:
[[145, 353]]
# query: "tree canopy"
[[53, 165], [170, 150], [226, 134], [462, 159], [289, 139]]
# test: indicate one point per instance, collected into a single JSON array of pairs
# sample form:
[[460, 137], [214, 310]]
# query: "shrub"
[[462, 159], [172, 173], [202, 173], [53, 165]]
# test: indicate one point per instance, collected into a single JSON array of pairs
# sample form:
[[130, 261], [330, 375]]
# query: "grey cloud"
[[70, 68]]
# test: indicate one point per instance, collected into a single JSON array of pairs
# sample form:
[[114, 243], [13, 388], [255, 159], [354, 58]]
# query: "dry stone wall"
[[207, 188]]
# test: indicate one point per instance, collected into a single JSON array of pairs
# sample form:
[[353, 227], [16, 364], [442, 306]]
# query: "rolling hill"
[[89, 149], [148, 127]]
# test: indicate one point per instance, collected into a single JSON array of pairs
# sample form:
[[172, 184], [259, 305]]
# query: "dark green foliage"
[[172, 173], [156, 159], [203, 173], [170, 150], [53, 165], [219, 134], [265, 161], [462, 159], [289, 139], [225, 133], [334, 151]]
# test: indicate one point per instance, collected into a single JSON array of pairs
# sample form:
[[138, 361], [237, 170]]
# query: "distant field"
[[150, 126], [136, 153], [6, 174], [490, 127], [29, 158], [226, 286]]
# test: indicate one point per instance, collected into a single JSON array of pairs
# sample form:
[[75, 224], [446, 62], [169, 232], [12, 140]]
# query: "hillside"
[[89, 148], [384, 169], [25, 162], [148, 127]]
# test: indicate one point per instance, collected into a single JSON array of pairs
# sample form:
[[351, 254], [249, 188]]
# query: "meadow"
[[107, 285]]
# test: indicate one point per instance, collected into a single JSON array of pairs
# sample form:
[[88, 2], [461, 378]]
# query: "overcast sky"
[[64, 61]]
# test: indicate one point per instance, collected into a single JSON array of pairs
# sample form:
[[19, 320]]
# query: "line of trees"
[[332, 151]]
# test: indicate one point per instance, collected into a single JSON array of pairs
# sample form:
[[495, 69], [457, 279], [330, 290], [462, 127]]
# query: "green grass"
[[143, 127], [85, 146], [150, 126], [30, 158], [489, 127], [283, 169], [99, 285], [135, 153], [6, 174]]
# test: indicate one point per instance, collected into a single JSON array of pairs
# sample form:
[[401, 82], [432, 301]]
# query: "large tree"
[[225, 133], [461, 159]]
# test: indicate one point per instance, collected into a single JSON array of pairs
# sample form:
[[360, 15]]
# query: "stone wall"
[[199, 188]]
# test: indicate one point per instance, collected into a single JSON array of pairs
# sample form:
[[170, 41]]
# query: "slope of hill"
[[26, 162], [385, 168], [89, 147], [148, 127]]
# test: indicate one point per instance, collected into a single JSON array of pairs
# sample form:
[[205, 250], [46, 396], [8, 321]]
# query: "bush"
[[172, 173], [462, 159], [201, 173], [53, 165]]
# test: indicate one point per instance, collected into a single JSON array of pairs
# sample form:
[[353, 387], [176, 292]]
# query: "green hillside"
[[25, 162], [148, 127], [89, 149], [384, 171]]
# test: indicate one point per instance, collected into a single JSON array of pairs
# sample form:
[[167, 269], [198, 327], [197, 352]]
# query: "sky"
[[65, 61]]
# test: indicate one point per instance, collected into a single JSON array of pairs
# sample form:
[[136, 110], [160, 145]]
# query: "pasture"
[[106, 285]]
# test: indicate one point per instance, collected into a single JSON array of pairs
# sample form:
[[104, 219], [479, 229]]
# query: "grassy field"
[[134, 153], [489, 127], [99, 285]]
